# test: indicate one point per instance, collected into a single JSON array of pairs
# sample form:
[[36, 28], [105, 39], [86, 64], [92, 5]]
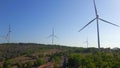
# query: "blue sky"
[[33, 20]]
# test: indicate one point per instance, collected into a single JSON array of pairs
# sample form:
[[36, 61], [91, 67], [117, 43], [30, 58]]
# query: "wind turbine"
[[87, 42], [97, 18], [8, 34], [52, 36]]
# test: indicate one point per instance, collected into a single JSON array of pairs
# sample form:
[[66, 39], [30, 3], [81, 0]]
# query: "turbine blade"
[[109, 22], [49, 36], [2, 37], [95, 8], [87, 24], [55, 36]]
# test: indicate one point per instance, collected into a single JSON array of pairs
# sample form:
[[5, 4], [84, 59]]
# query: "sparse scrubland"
[[31, 55]]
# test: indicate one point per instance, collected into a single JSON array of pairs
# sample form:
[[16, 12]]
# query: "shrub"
[[7, 64], [39, 62], [20, 65]]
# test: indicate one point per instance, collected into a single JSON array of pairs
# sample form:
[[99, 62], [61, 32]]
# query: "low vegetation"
[[30, 55]]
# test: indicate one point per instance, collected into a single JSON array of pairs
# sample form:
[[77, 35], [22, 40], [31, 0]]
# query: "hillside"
[[31, 55]]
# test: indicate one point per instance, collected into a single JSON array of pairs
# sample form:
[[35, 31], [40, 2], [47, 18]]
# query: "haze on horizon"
[[33, 20]]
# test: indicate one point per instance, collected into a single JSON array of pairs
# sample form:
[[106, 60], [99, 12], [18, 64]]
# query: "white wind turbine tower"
[[97, 18], [8, 34], [87, 42], [53, 36]]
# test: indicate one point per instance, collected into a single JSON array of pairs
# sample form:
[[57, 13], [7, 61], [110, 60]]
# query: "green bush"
[[20, 65], [74, 60], [29, 64], [39, 62], [7, 64]]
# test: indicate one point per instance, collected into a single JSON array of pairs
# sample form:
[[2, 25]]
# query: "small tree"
[[56, 65], [29, 64], [7, 64], [39, 62], [74, 60], [20, 65]]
